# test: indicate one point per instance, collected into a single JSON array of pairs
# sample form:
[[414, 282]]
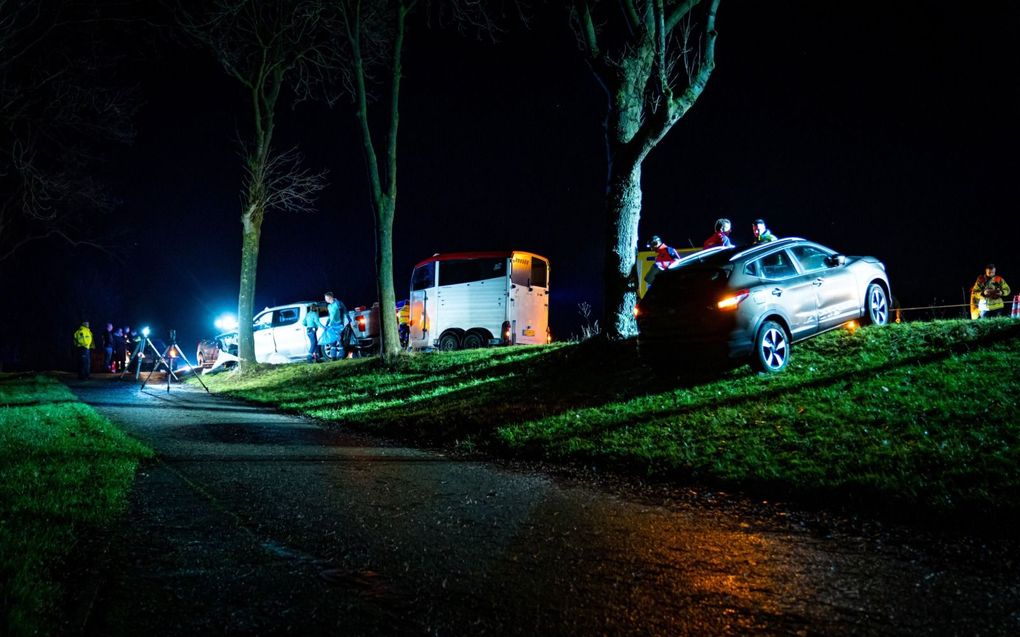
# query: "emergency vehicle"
[[466, 300]]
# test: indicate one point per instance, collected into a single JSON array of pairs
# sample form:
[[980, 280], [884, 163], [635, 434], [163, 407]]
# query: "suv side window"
[[810, 257], [777, 265], [263, 321], [286, 316]]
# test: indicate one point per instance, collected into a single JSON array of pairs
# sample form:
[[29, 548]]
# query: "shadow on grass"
[[445, 399], [433, 406]]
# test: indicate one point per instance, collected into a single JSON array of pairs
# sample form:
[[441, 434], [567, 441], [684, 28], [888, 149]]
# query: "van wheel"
[[449, 342], [771, 348], [473, 340]]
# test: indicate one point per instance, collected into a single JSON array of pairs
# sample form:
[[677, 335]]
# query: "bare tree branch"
[[679, 13], [635, 63], [287, 186], [265, 46], [57, 109]]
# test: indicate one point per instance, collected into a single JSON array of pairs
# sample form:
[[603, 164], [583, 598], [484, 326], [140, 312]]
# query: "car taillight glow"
[[361, 323], [731, 302]]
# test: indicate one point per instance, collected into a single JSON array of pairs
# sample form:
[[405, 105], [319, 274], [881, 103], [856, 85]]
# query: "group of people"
[[987, 295], [667, 257], [115, 344], [332, 343]]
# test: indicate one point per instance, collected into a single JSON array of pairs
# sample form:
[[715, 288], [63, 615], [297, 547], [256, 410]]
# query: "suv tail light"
[[361, 323], [732, 301]]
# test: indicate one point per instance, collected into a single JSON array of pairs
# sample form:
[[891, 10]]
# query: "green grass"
[[919, 418], [64, 473]]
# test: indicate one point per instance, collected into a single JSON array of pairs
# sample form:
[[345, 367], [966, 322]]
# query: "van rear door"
[[423, 281], [529, 299]]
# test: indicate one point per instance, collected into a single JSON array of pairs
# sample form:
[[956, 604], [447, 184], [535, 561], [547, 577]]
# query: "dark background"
[[883, 128]]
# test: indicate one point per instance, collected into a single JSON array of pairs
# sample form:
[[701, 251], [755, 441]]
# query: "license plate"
[[529, 332]]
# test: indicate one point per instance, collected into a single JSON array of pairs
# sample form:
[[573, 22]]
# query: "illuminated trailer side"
[[466, 300]]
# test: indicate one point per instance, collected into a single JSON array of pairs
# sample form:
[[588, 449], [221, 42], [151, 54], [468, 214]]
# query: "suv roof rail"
[[765, 246]]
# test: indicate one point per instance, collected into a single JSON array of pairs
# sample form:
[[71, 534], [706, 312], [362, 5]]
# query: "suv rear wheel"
[[771, 348]]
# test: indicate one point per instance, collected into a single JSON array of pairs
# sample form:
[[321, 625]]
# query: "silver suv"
[[756, 302]]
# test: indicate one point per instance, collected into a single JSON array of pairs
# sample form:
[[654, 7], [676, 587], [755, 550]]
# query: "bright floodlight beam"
[[145, 332], [225, 322]]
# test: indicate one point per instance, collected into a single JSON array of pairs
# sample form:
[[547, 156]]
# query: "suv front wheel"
[[771, 348], [877, 310]]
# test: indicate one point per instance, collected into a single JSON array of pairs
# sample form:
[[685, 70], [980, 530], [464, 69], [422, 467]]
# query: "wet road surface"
[[253, 522]]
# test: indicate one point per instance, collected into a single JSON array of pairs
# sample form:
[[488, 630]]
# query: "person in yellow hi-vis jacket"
[[83, 341], [987, 294]]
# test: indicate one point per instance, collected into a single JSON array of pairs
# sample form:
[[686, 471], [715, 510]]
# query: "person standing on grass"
[[108, 347], [666, 258], [761, 233], [335, 324], [988, 293], [312, 325], [83, 342], [721, 236], [119, 350]]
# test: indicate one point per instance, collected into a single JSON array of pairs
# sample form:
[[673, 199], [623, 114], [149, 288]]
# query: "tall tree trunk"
[[250, 235], [623, 191], [623, 214], [386, 210], [390, 345], [643, 105], [382, 179]]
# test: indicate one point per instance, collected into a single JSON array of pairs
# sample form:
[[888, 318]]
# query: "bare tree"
[[373, 36], [57, 108], [653, 59], [266, 47]]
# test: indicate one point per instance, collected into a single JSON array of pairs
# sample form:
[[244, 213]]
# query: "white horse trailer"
[[465, 300]]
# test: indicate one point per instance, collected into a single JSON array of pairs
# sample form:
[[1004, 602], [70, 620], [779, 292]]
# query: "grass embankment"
[[64, 472], [919, 418]]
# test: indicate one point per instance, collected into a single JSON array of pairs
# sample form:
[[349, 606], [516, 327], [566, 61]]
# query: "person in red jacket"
[[721, 236], [665, 257]]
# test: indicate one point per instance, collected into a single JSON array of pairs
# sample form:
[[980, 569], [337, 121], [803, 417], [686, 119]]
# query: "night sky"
[[882, 128]]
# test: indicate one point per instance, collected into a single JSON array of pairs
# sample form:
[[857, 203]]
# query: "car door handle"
[[777, 292], [818, 281]]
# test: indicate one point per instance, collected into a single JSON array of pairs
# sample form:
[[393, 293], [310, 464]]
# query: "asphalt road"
[[251, 522]]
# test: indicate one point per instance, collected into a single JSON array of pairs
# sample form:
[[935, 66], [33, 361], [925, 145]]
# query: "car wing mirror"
[[835, 260]]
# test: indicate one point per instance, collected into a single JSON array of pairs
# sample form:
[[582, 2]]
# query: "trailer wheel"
[[474, 339], [449, 341]]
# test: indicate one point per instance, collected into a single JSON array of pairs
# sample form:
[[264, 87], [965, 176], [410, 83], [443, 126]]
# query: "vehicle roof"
[[762, 247], [495, 254], [720, 255], [286, 305]]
